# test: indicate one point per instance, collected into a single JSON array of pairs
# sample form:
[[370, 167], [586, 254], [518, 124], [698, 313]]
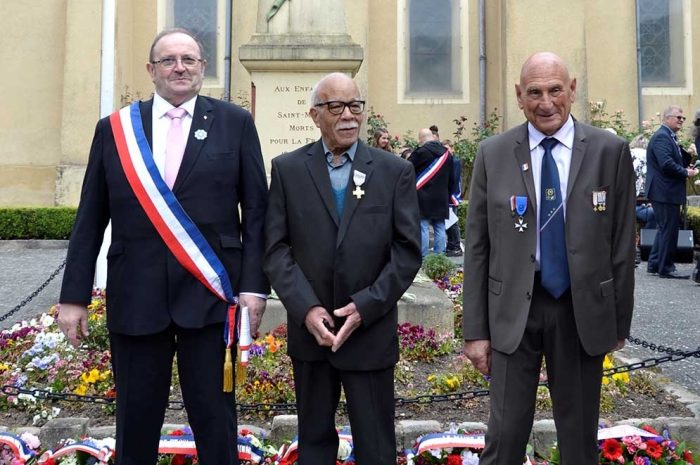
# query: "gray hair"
[[313, 96], [671, 109], [639, 142]]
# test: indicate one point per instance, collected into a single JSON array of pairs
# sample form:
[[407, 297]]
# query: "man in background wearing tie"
[[194, 161], [549, 265], [667, 171]]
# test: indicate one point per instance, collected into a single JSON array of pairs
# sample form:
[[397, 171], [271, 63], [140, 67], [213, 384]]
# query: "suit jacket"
[[434, 196], [666, 173], [147, 287], [500, 261], [369, 256]]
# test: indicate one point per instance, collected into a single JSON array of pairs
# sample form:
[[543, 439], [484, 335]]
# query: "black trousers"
[[370, 402], [142, 368], [454, 238], [574, 383], [668, 218]]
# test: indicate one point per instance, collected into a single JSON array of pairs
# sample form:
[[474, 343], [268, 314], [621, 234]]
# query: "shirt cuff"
[[255, 294]]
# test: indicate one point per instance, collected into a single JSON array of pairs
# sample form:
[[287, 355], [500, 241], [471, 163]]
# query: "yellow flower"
[[104, 375], [81, 389], [607, 362], [431, 378], [623, 377], [606, 380], [4, 367], [94, 375]]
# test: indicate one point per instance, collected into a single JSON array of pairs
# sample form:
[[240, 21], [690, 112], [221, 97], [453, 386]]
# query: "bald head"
[[331, 81], [546, 92], [425, 135]]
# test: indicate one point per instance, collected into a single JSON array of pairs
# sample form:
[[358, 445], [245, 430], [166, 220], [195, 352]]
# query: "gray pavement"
[[667, 311]]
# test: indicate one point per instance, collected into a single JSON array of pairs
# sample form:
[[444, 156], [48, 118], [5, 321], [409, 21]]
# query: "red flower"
[[651, 430], [178, 459], [177, 432], [654, 450], [454, 460], [688, 456], [611, 449]]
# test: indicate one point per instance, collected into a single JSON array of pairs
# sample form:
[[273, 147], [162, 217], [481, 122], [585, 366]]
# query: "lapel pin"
[[200, 134]]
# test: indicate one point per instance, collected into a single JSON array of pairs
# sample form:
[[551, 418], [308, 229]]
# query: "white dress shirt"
[[562, 156]]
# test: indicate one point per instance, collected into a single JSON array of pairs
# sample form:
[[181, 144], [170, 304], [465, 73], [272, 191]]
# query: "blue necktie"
[[554, 266]]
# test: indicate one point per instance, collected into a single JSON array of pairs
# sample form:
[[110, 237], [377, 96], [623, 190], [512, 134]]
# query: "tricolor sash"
[[180, 234], [431, 170]]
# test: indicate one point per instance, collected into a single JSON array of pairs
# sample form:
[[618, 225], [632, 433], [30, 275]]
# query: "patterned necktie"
[[554, 266], [175, 145]]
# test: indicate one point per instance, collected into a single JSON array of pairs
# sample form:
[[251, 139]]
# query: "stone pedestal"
[[287, 55]]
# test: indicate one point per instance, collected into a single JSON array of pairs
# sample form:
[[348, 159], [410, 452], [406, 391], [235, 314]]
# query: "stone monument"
[[295, 44]]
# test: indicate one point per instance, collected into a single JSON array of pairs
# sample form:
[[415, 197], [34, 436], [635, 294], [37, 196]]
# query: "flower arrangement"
[[36, 355], [418, 344]]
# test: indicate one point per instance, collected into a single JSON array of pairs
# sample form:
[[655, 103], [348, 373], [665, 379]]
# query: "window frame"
[[461, 49], [165, 20], [685, 89]]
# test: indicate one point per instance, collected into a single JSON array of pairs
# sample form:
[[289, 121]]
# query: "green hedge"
[[36, 223]]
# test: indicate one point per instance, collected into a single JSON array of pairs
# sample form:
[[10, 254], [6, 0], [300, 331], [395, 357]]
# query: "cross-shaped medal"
[[358, 192]]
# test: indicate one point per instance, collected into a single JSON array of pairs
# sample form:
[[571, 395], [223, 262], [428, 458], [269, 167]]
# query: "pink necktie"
[[175, 145]]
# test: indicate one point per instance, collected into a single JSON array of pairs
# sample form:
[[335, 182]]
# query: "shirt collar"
[[162, 106], [565, 134], [350, 151]]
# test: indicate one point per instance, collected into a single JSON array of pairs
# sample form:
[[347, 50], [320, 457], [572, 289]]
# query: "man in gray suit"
[[342, 244], [549, 265]]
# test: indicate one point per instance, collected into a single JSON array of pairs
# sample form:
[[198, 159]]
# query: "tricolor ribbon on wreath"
[[175, 227], [428, 173]]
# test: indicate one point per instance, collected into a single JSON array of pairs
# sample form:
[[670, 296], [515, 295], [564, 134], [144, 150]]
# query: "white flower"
[[46, 320], [344, 449]]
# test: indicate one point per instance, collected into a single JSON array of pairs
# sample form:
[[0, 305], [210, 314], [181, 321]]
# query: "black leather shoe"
[[696, 275], [453, 253], [652, 271], [674, 275]]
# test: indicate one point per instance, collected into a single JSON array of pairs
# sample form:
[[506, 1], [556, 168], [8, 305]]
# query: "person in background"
[[667, 172], [644, 210], [454, 239], [381, 139], [342, 246], [548, 265], [198, 169], [433, 165], [696, 131]]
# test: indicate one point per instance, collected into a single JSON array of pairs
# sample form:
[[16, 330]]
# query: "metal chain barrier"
[[31, 296], [399, 401], [673, 355]]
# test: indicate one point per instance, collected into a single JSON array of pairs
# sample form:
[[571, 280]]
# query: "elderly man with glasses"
[[342, 244], [667, 172]]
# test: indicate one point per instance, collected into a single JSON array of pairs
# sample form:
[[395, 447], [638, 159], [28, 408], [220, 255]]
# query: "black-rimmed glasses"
[[170, 62], [336, 107], [680, 118]]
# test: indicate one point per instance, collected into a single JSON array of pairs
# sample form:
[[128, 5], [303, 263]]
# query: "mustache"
[[348, 126]]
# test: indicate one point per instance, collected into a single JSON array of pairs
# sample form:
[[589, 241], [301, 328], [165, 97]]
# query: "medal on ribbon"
[[518, 206], [599, 201], [358, 178]]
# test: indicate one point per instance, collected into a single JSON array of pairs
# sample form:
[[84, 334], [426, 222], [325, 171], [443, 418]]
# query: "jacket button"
[[532, 258], [529, 295]]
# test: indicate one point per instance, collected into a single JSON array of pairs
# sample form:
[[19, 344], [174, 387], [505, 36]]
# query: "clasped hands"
[[321, 325]]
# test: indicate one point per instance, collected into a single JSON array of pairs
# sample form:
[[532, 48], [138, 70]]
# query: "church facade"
[[417, 63]]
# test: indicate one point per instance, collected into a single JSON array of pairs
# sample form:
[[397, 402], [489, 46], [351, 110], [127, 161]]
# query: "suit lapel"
[[577, 154], [522, 154], [362, 163], [318, 169], [201, 121], [146, 109]]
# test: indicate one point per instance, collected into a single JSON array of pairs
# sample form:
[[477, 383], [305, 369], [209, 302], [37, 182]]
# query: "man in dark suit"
[[565, 293], [433, 164], [155, 306], [341, 247], [667, 172]]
